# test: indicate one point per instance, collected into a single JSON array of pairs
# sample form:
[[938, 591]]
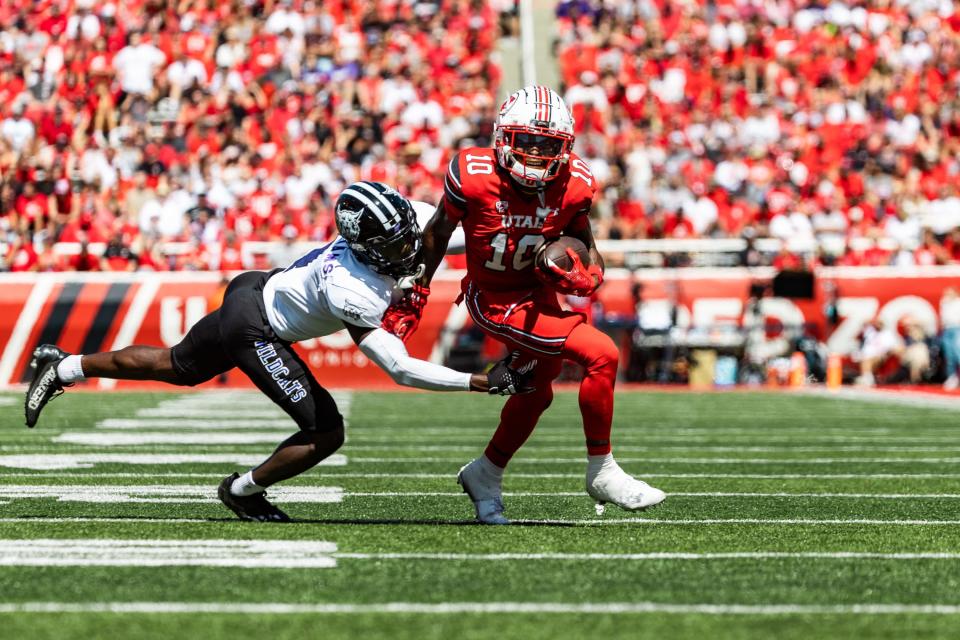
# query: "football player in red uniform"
[[530, 188]]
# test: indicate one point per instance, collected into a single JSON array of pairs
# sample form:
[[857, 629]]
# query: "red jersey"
[[505, 226]]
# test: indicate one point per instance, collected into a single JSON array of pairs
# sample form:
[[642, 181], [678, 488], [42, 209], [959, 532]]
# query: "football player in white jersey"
[[348, 284]]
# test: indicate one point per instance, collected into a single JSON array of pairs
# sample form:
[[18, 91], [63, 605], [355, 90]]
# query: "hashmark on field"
[[159, 493], [44, 461], [165, 553]]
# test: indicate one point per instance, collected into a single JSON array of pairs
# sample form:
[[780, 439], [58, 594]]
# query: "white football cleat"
[[483, 487], [612, 484]]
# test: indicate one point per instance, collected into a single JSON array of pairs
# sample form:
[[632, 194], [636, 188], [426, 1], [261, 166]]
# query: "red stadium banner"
[[99, 312]]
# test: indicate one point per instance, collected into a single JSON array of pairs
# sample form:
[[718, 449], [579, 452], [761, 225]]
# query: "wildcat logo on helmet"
[[349, 223]]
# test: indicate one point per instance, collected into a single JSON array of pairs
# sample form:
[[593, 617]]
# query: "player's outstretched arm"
[[388, 353]]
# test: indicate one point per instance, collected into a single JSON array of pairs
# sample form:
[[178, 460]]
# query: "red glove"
[[580, 280], [403, 317]]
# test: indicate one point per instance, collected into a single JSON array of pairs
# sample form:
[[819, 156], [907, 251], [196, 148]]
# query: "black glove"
[[505, 380]]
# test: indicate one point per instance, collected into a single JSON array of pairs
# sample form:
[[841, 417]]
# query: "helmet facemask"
[[532, 155], [397, 256]]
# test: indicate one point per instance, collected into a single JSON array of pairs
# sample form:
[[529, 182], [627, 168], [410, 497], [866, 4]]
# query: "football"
[[555, 252]]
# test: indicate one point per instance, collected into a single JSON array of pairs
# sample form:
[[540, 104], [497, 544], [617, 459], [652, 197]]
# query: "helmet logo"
[[349, 223], [508, 103], [390, 191]]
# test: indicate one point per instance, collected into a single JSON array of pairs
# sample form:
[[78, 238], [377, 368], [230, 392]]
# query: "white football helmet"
[[533, 135]]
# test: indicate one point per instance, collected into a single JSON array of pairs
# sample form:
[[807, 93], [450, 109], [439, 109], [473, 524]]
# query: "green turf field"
[[794, 516]]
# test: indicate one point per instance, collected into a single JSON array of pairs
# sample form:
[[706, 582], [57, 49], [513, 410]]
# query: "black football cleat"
[[256, 507], [45, 385]]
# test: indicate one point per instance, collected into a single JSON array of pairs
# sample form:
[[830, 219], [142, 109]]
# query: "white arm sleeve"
[[388, 352]]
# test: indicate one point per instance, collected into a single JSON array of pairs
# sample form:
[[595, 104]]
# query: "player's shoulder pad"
[[357, 300], [581, 177], [474, 166], [453, 184], [581, 185]]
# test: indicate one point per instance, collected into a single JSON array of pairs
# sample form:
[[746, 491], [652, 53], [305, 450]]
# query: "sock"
[[596, 464], [69, 370], [245, 486], [490, 467]]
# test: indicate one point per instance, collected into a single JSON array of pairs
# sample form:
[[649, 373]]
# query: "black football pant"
[[239, 335]]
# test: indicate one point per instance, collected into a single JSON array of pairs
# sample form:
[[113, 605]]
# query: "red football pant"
[[598, 355]]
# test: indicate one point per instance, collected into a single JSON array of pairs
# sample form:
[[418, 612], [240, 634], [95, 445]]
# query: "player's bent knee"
[[607, 355], [335, 438], [323, 443], [328, 424], [539, 400], [186, 378]]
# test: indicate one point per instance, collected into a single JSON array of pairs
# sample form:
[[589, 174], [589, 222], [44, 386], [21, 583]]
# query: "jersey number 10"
[[523, 256]]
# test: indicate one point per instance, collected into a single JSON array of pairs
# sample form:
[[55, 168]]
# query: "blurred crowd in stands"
[[201, 125], [834, 126]]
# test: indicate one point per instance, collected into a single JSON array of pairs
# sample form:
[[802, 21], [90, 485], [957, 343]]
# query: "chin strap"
[[409, 282]]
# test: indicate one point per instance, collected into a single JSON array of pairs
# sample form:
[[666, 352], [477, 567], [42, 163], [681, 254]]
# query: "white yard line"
[[761, 521], [50, 461], [105, 439], [30, 552], [715, 494], [889, 397], [235, 398], [46, 461], [446, 608], [217, 410], [158, 493], [592, 521], [662, 555], [656, 460], [451, 476], [186, 434], [657, 448], [165, 553], [224, 415], [385, 426], [370, 434], [186, 422], [207, 493]]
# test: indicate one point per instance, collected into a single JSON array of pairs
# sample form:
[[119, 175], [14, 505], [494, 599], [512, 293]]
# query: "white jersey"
[[324, 290], [328, 287]]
